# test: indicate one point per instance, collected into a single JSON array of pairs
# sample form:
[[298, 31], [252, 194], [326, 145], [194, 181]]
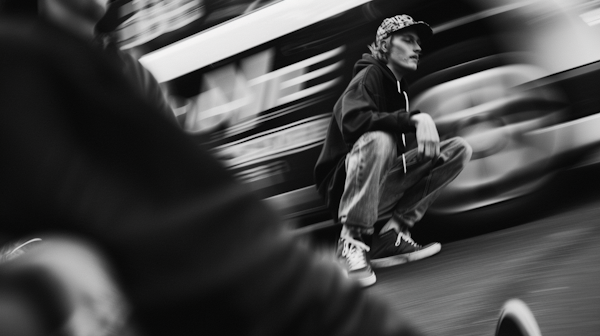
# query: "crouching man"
[[365, 172]]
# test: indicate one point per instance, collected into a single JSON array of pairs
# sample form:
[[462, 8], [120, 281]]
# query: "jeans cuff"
[[404, 227], [360, 229]]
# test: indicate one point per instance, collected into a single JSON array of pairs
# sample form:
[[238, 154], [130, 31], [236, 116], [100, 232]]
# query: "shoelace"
[[353, 252], [406, 237]]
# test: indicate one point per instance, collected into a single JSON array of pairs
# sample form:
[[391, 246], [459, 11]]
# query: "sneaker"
[[392, 248], [353, 254], [516, 319]]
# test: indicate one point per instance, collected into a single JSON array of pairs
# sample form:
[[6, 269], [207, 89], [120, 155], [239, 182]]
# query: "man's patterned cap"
[[395, 23]]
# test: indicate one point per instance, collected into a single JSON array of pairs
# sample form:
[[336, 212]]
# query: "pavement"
[[547, 256]]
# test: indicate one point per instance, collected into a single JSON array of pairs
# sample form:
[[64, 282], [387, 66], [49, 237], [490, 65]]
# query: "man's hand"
[[428, 140]]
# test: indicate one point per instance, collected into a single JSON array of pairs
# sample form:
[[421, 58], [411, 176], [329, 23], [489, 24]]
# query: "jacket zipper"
[[403, 136]]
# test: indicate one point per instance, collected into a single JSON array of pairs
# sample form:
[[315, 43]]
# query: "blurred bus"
[[256, 81]]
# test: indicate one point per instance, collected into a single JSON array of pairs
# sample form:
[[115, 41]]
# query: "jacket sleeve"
[[359, 112], [196, 252]]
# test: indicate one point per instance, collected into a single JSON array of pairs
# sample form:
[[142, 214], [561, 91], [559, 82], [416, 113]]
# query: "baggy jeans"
[[377, 186]]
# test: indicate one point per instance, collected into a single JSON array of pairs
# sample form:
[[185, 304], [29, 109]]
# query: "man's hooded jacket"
[[373, 101]]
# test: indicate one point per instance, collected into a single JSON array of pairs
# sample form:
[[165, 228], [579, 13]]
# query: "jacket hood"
[[368, 60]]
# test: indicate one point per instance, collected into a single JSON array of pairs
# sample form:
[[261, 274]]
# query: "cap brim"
[[423, 30]]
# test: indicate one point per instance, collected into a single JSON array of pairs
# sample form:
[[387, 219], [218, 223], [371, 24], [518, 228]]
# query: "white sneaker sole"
[[426, 252], [368, 281], [363, 282], [517, 319]]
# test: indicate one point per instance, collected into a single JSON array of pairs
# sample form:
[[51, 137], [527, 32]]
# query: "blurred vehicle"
[[517, 79]]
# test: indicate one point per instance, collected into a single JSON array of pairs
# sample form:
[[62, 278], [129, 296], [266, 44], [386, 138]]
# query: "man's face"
[[404, 51]]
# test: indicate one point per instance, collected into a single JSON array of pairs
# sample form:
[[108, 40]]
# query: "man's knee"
[[381, 144], [460, 149]]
